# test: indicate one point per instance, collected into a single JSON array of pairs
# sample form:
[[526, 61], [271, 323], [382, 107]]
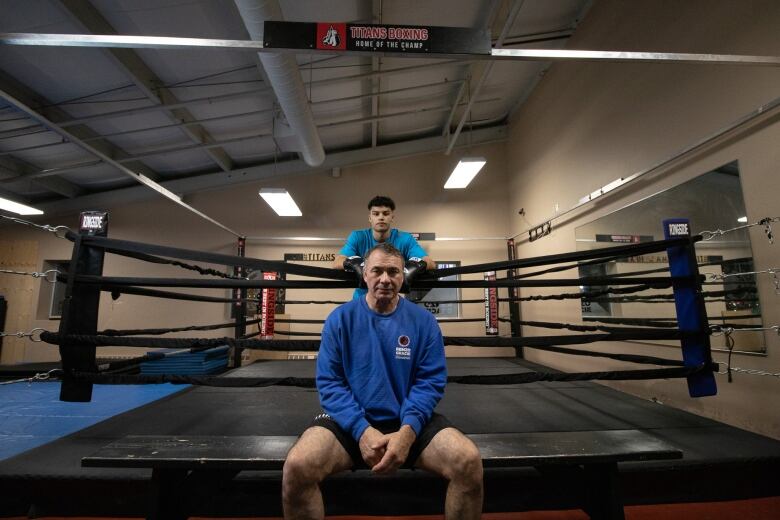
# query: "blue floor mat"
[[31, 414]]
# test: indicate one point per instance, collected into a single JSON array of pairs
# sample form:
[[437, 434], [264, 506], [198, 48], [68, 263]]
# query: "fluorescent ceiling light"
[[281, 202], [742, 219], [464, 172], [19, 209]]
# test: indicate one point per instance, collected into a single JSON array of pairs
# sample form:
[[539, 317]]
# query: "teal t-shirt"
[[361, 241]]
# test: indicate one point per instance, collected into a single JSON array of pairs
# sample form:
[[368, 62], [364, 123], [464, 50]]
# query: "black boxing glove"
[[355, 264], [413, 268]]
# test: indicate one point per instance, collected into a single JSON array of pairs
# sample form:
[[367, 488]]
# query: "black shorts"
[[436, 424]]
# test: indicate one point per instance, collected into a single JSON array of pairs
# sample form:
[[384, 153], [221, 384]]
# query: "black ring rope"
[[569, 339], [669, 297], [137, 332], [573, 327], [449, 301], [563, 296], [646, 322], [313, 345], [614, 258], [122, 247], [443, 320], [663, 324], [624, 250], [582, 295], [631, 358], [497, 379], [307, 302], [653, 282], [113, 281], [345, 280], [293, 333], [117, 291], [121, 281], [566, 267], [671, 320], [667, 300], [126, 365], [157, 260], [668, 323], [291, 320]]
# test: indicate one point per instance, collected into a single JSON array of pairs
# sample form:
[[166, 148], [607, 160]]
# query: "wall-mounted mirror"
[[711, 201]]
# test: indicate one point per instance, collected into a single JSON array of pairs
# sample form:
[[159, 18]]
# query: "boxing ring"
[[484, 395]]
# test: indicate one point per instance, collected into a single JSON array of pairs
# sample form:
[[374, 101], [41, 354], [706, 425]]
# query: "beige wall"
[[588, 124], [331, 207]]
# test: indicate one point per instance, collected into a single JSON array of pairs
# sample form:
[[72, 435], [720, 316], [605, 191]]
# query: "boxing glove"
[[413, 268], [355, 264]]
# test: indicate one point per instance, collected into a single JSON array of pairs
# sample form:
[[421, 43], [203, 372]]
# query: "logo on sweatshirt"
[[402, 350]]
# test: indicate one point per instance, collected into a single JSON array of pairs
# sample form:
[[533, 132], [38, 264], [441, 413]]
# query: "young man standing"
[[381, 212]]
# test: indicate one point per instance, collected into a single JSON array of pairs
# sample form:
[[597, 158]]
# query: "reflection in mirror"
[[711, 201]]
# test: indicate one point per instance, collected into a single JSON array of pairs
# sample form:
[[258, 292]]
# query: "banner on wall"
[[268, 309], [491, 306]]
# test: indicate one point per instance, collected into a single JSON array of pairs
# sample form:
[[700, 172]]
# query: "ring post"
[[691, 313], [240, 306], [514, 307], [80, 309]]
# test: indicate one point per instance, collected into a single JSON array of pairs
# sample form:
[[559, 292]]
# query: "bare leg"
[[453, 456], [316, 455]]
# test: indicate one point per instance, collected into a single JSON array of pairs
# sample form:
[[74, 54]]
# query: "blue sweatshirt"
[[378, 367]]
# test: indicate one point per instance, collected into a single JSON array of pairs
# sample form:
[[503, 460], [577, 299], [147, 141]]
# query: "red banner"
[[268, 310], [491, 306]]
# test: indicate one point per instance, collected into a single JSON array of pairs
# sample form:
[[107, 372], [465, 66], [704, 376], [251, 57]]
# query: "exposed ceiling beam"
[[17, 170], [92, 150], [196, 146], [286, 169], [30, 98], [239, 95], [269, 111], [16, 198], [508, 23], [519, 100], [486, 20], [145, 78], [166, 42], [397, 114]]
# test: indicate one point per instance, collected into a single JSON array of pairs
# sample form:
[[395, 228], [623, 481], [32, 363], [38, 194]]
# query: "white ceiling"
[[129, 104]]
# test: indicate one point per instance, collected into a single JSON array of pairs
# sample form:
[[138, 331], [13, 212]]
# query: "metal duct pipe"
[[282, 72]]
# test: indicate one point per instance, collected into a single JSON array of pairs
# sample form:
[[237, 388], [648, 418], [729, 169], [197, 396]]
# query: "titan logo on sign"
[[332, 36], [309, 257]]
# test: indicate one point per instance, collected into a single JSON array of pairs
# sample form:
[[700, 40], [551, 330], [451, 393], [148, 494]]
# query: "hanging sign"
[[339, 36], [93, 223]]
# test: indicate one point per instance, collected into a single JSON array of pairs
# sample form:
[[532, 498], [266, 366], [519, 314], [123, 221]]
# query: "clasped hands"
[[385, 453]]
